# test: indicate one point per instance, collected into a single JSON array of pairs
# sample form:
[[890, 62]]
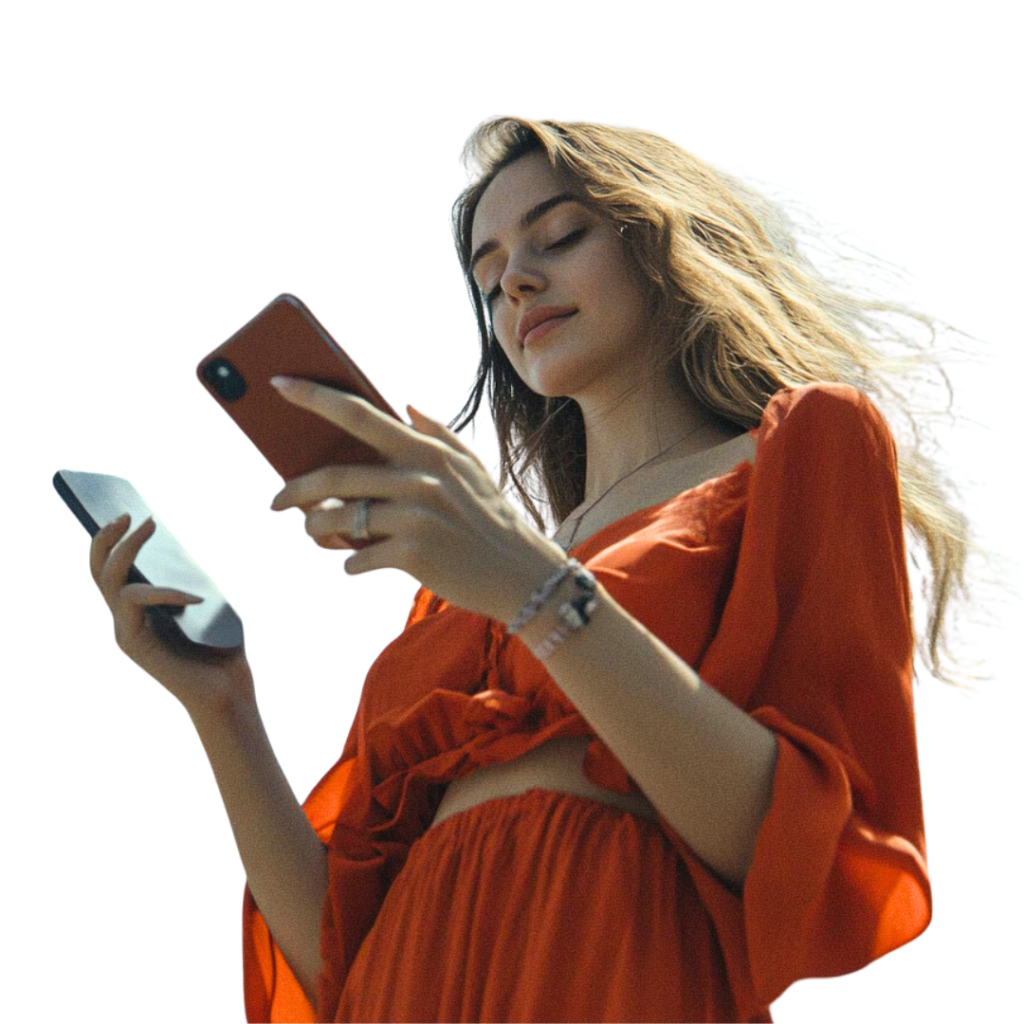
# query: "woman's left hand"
[[436, 510]]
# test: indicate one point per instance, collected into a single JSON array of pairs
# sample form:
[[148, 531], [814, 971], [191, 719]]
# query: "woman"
[[661, 779]]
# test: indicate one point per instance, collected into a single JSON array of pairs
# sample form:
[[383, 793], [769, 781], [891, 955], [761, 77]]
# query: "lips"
[[534, 318], [544, 329]]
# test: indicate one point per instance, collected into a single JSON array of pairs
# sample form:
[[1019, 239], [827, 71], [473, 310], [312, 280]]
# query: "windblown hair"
[[731, 299]]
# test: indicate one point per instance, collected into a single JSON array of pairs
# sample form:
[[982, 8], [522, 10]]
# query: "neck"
[[634, 426]]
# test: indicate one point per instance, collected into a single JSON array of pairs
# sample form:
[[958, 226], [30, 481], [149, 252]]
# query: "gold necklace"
[[567, 545]]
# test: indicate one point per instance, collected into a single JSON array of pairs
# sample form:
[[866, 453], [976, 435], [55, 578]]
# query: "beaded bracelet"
[[573, 614]]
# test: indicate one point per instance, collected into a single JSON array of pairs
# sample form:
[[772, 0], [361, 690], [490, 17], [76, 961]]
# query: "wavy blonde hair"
[[734, 303]]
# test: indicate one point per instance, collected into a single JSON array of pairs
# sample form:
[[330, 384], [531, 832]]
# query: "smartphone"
[[97, 499], [285, 338]]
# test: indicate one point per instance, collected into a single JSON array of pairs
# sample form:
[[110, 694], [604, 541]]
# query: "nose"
[[521, 279]]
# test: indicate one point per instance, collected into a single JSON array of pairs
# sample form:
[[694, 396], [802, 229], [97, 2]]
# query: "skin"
[[574, 257]]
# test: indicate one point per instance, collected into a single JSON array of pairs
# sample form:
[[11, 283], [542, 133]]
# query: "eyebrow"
[[531, 216]]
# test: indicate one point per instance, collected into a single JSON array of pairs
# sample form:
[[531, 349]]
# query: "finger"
[[103, 540], [352, 413], [437, 429], [324, 489], [142, 595], [115, 572], [335, 542]]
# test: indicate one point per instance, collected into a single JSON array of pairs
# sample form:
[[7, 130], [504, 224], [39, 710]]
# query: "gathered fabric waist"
[[556, 765]]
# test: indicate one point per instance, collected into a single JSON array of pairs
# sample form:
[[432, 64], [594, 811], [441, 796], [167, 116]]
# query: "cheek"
[[503, 325], [620, 285]]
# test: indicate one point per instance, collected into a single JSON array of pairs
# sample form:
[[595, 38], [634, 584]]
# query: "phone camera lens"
[[225, 379]]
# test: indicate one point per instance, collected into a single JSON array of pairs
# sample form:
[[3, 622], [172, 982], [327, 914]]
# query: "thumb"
[[420, 421], [426, 425]]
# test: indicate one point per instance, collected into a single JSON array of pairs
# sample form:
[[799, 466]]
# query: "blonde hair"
[[735, 304]]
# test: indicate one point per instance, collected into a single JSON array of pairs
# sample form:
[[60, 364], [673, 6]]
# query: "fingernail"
[[282, 383]]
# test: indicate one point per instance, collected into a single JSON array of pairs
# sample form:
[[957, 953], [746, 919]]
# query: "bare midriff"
[[558, 764], [555, 765]]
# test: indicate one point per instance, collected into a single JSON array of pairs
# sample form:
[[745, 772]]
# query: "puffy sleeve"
[[816, 643], [272, 992]]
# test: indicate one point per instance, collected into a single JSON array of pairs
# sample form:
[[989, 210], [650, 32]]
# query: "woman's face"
[[564, 305]]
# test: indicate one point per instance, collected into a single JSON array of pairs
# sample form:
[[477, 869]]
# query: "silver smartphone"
[[97, 499]]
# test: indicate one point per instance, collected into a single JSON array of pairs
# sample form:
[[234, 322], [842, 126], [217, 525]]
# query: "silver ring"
[[362, 527]]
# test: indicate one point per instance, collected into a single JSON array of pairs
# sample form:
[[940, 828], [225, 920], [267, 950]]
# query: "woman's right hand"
[[204, 680]]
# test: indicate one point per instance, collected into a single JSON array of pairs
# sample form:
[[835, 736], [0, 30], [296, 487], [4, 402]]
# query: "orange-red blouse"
[[784, 585]]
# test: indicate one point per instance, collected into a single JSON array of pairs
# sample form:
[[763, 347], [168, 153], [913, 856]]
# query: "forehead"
[[515, 189]]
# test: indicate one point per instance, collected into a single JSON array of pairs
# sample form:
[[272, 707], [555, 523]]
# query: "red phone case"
[[285, 338]]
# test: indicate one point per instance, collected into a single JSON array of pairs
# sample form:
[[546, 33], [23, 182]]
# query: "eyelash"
[[573, 236]]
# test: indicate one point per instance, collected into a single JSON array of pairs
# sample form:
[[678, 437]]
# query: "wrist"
[[547, 617], [226, 712], [562, 606], [531, 573]]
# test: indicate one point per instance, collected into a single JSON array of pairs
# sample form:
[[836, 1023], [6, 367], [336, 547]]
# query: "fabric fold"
[[783, 584]]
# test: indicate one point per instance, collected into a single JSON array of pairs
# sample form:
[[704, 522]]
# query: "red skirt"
[[544, 906]]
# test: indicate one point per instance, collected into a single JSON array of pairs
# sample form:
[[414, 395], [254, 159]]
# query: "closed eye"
[[568, 240]]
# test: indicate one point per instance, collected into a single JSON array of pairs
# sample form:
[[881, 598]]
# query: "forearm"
[[285, 862], [703, 763]]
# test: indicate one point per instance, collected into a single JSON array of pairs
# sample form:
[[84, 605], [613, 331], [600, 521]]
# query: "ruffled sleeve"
[[272, 992], [816, 643]]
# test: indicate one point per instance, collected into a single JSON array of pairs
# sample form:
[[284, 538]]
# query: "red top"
[[784, 585]]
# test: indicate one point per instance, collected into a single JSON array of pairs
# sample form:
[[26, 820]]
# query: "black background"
[[157, 245]]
